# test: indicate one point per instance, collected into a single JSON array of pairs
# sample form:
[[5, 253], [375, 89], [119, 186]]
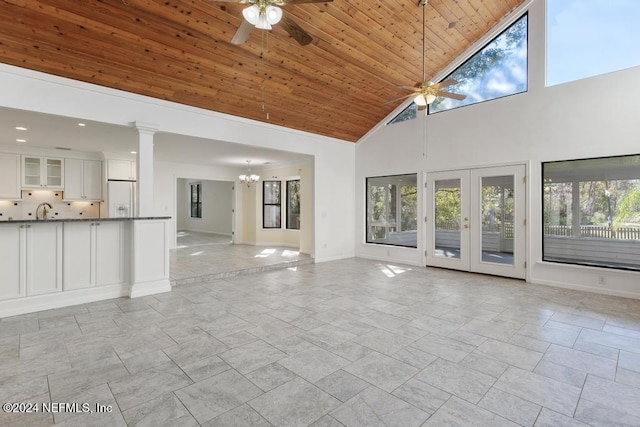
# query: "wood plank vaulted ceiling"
[[181, 51]]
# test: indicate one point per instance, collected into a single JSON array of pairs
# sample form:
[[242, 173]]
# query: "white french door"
[[475, 220]]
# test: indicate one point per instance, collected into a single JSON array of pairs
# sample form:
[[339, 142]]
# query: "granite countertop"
[[16, 221]]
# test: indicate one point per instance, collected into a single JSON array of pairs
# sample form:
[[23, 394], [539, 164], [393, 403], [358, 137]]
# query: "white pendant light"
[[251, 14], [420, 100], [262, 17]]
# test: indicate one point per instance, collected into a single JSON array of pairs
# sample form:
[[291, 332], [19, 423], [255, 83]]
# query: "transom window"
[[499, 69], [586, 38]]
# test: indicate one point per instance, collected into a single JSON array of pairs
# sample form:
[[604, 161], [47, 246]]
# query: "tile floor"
[[201, 257], [351, 342]]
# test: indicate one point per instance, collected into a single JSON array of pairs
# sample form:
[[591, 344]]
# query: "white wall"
[[586, 118], [182, 210], [334, 209], [217, 202]]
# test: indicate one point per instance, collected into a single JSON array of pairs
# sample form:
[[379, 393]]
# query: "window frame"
[[277, 204], [399, 195], [574, 262], [288, 202], [525, 14], [198, 202]]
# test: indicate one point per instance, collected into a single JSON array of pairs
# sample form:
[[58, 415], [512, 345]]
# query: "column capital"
[[146, 128]]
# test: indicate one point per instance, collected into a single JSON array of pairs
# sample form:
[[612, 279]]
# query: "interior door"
[[475, 220]]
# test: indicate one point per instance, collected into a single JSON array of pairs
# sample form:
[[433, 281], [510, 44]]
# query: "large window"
[[498, 69], [293, 204], [392, 210], [271, 204], [196, 199], [409, 113], [591, 212], [586, 38]]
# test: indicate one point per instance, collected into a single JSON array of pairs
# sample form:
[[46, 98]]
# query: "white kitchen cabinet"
[[82, 180], [10, 176], [93, 254], [121, 169], [31, 259], [12, 283], [42, 172]]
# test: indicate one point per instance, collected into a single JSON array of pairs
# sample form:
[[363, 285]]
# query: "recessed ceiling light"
[[21, 140], [21, 128], [133, 152], [81, 125]]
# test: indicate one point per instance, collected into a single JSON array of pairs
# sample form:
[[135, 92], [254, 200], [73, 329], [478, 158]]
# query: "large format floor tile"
[[344, 343]]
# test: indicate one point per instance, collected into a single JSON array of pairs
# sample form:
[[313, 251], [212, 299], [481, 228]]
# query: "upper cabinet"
[[82, 180], [42, 172], [10, 177], [121, 170]]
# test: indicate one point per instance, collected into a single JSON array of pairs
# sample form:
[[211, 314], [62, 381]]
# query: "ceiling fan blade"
[[451, 95], [398, 99], [407, 87], [286, 2], [242, 34], [231, 1], [444, 83], [295, 30]]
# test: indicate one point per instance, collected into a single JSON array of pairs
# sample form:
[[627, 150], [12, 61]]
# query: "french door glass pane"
[[447, 213], [498, 219]]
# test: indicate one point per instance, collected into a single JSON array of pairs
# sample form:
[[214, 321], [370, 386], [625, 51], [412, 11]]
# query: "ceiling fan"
[[426, 92], [263, 14]]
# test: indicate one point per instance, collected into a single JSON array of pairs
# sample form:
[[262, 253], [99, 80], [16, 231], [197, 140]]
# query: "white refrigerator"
[[121, 198]]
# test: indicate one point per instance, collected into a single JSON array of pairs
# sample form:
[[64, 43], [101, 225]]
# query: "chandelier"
[[249, 178]]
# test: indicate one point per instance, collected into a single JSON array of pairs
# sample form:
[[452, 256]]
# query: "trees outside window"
[[293, 204], [392, 210], [271, 204], [196, 200]]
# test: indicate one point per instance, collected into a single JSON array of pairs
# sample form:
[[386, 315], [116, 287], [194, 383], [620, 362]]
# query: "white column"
[[144, 165]]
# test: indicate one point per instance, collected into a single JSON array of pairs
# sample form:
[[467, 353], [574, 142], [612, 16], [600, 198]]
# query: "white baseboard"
[[592, 289], [32, 304], [143, 289]]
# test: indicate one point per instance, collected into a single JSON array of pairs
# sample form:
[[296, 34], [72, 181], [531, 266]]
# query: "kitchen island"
[[54, 263]]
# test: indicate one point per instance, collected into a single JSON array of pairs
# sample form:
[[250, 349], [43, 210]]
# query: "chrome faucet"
[[44, 210]]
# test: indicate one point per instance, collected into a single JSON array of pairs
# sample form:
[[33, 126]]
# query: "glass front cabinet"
[[42, 172]]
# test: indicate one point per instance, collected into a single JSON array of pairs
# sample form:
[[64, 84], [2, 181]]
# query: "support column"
[[575, 210], [144, 165]]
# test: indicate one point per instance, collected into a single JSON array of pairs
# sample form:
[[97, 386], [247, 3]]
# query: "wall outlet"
[[602, 280]]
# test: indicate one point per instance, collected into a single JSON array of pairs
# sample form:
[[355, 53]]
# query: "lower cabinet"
[[94, 254], [36, 267]]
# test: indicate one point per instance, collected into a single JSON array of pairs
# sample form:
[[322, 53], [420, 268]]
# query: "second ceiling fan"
[[426, 92], [265, 13]]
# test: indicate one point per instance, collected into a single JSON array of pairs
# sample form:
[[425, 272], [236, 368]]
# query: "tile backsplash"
[[26, 208]]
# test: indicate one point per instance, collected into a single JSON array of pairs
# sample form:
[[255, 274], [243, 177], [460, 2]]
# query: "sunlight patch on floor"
[[392, 270], [265, 253]]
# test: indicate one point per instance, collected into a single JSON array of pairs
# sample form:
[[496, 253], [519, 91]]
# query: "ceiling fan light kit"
[[426, 92], [262, 17], [264, 14]]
